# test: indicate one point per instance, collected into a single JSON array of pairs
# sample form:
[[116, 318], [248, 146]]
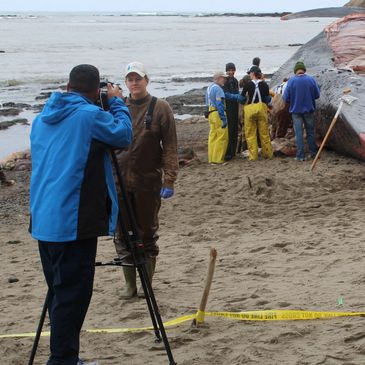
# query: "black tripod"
[[136, 249]]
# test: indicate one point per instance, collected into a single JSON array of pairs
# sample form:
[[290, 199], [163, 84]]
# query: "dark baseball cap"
[[255, 69]]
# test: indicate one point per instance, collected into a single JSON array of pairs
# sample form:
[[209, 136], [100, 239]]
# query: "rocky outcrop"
[[9, 123], [333, 12], [322, 61], [9, 112], [192, 102]]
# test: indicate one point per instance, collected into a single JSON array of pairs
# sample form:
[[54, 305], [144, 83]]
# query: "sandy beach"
[[293, 240]]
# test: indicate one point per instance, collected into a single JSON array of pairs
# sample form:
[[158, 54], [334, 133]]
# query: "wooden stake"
[[208, 283]]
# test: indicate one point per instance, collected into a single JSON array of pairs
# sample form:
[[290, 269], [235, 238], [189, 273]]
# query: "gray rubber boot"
[[150, 268], [130, 289]]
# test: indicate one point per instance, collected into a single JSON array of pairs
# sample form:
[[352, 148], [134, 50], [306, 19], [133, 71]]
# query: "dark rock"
[[16, 105], [295, 44], [1, 51], [43, 95], [13, 279], [7, 124], [192, 79], [5, 112], [56, 86], [191, 102], [37, 107]]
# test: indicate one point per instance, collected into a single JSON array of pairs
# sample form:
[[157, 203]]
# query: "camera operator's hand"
[[114, 90]]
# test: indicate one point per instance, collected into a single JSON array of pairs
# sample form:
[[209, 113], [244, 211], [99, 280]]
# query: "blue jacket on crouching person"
[[72, 191]]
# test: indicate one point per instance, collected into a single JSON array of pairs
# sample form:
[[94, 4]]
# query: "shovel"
[[348, 99]]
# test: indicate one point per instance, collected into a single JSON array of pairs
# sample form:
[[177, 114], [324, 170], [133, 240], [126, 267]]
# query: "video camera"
[[102, 100]]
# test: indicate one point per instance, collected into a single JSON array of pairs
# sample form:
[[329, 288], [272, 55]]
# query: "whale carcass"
[[336, 57]]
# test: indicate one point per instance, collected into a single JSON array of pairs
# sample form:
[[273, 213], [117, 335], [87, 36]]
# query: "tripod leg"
[[154, 311], [39, 330], [144, 279], [146, 284]]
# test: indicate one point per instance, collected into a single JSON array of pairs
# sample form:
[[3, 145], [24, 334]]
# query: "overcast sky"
[[166, 5]]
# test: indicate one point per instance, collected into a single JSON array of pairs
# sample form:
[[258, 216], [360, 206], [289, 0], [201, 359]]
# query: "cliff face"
[[356, 3]]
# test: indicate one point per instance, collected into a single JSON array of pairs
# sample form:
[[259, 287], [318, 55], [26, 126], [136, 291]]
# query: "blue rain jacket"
[[214, 97], [72, 191]]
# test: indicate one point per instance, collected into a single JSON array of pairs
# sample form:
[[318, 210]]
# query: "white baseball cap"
[[136, 67], [219, 74]]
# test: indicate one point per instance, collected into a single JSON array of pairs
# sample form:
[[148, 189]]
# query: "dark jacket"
[[249, 91], [231, 85]]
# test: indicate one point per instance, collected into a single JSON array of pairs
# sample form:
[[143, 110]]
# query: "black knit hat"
[[230, 66], [256, 61]]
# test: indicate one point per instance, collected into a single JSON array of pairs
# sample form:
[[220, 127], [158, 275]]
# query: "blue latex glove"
[[166, 193]]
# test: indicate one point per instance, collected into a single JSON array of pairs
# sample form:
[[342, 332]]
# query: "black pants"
[[69, 269], [232, 121]]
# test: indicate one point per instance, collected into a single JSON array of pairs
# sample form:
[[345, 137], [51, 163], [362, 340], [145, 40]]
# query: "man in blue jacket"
[[301, 92], [73, 198]]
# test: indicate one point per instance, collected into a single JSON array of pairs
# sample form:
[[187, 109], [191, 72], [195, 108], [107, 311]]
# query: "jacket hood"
[[61, 105]]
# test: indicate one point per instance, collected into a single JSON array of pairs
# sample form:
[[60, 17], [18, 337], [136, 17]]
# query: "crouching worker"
[[218, 133], [149, 167], [73, 198], [256, 115]]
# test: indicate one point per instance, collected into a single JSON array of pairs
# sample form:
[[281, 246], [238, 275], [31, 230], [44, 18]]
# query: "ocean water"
[[37, 51]]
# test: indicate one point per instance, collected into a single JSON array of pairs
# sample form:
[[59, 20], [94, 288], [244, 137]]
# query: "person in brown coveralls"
[[149, 166]]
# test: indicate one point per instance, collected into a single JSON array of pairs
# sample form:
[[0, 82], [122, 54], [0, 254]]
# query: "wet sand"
[[294, 240]]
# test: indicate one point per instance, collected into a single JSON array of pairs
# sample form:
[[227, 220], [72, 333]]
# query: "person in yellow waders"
[[255, 115], [218, 134]]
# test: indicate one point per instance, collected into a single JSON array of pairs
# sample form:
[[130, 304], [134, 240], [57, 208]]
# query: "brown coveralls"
[[151, 157]]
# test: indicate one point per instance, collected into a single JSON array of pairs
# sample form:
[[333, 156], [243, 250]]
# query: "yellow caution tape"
[[264, 315], [282, 315]]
